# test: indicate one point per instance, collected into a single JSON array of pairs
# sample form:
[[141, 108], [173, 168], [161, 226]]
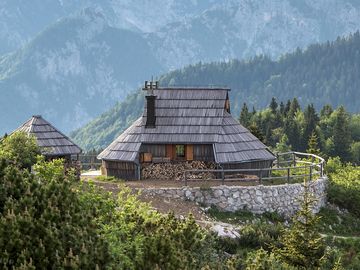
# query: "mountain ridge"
[[316, 75]]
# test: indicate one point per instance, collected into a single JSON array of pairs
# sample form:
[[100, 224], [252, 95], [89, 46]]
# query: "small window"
[[180, 150]]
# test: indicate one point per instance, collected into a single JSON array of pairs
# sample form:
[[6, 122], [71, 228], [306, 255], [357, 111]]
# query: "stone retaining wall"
[[284, 199]]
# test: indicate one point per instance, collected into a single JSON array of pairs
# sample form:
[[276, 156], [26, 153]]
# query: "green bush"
[[344, 188], [261, 259], [141, 238], [43, 223], [333, 165], [20, 149]]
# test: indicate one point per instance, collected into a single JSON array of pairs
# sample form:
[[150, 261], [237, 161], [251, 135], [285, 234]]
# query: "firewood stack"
[[175, 171]]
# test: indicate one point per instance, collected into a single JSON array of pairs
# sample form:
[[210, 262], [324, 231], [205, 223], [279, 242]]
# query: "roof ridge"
[[45, 140]]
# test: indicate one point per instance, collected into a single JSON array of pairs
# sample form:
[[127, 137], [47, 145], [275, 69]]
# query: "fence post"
[[321, 169], [185, 178], [277, 160], [310, 176], [288, 175], [260, 177], [294, 160], [222, 176]]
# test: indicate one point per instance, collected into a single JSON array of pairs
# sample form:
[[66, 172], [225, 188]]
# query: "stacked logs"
[[175, 171]]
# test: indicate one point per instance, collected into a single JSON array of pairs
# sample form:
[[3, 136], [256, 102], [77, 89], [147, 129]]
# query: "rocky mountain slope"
[[21, 20], [72, 71], [242, 29], [93, 52]]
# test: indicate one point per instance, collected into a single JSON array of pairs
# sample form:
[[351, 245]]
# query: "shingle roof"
[[190, 116], [51, 141]]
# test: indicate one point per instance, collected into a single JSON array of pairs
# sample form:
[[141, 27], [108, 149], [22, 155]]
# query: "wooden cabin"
[[184, 124], [53, 144]]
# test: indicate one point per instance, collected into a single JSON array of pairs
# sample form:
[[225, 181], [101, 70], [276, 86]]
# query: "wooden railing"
[[288, 167], [89, 162]]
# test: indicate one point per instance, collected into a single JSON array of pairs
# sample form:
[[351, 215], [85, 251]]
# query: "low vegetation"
[[49, 220]]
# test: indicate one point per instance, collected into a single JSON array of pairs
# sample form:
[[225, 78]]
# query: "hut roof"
[[190, 116], [51, 141]]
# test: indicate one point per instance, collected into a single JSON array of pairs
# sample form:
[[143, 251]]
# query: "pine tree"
[[273, 105], [283, 145], [245, 116], [44, 224], [254, 129], [282, 108], [294, 107], [311, 121], [342, 135], [326, 111], [293, 132], [287, 107], [301, 245], [313, 144], [253, 111]]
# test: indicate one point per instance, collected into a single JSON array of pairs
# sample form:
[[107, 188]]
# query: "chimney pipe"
[[150, 111]]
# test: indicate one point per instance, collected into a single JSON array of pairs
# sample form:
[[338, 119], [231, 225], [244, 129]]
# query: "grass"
[[244, 216], [334, 223], [103, 178]]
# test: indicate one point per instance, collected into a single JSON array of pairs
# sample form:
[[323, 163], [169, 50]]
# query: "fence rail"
[[298, 165], [89, 162]]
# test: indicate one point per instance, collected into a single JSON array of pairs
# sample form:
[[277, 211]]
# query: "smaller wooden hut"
[[53, 144]]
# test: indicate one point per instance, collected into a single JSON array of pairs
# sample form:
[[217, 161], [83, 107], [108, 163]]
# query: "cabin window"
[[180, 150]]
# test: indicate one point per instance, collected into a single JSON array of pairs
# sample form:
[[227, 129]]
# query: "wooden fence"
[[289, 167], [89, 162]]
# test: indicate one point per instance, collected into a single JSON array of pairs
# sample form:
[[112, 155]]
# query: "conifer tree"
[[283, 145], [287, 107], [273, 105], [302, 246], [253, 110], [294, 107], [43, 223], [293, 132], [254, 129], [282, 108], [342, 136], [313, 144], [326, 111], [245, 116], [311, 121]]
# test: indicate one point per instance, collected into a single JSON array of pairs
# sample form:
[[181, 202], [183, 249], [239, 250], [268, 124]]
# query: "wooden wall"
[[120, 169], [157, 150], [203, 152], [251, 165]]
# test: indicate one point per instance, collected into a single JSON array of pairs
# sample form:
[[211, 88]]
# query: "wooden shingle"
[[190, 116], [50, 140]]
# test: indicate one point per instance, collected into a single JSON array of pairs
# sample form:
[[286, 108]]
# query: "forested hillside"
[[322, 74], [285, 126]]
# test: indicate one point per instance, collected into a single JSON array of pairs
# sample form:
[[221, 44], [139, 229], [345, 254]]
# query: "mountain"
[[241, 29], [72, 71], [79, 57], [195, 30], [18, 26], [321, 74]]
